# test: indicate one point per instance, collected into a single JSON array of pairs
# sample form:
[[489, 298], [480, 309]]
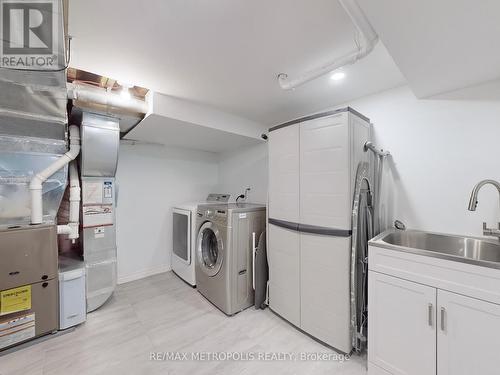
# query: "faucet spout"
[[475, 191]]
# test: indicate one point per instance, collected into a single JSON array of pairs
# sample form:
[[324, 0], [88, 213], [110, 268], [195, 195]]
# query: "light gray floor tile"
[[163, 314]]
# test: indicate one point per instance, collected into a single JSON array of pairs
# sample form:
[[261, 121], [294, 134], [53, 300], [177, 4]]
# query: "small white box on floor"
[[72, 300]]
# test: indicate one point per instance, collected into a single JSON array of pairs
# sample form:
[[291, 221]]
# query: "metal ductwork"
[[33, 134]]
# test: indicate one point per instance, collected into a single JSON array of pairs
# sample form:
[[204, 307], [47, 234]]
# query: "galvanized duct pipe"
[[105, 98], [368, 38]]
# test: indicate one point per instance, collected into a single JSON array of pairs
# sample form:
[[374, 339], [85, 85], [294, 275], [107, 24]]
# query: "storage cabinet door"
[[401, 325], [284, 273], [325, 196], [324, 289], [284, 174], [468, 335]]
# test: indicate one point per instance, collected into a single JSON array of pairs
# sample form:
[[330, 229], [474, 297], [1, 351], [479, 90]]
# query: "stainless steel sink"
[[479, 251]]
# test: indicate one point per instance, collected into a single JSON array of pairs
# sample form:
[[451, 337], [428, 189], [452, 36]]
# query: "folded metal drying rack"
[[365, 225]]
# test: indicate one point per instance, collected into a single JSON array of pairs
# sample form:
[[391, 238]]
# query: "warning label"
[[15, 300]]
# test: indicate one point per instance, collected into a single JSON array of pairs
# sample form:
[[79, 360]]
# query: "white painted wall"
[[245, 168], [151, 180], [440, 149]]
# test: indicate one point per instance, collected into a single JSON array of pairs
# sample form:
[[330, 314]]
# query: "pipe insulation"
[[73, 225], [367, 39], [72, 229], [106, 98], [74, 193], [37, 181]]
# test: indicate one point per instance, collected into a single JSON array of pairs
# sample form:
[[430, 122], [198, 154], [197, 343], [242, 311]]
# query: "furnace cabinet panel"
[[28, 261]]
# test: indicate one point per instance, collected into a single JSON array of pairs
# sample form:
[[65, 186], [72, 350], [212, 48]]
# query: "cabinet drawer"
[[467, 279], [28, 255]]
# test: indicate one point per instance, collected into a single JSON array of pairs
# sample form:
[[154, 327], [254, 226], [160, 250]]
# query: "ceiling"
[[441, 46], [227, 53], [173, 132]]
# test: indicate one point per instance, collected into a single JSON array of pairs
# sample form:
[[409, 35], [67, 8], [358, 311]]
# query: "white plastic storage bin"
[[72, 299]]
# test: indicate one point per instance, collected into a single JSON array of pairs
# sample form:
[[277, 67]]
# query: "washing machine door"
[[210, 249]]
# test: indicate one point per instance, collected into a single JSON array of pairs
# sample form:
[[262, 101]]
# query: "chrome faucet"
[[473, 204]]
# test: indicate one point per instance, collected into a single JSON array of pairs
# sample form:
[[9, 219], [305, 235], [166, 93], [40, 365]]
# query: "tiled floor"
[[163, 314]]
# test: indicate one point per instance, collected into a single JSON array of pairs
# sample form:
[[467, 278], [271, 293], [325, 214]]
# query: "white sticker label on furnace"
[[99, 233], [108, 190], [243, 216]]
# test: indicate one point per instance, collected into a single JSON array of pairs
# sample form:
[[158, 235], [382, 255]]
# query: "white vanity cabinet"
[[468, 336], [401, 325], [431, 316]]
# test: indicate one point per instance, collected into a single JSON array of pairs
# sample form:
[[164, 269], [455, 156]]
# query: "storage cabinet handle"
[[443, 313], [254, 250], [430, 309]]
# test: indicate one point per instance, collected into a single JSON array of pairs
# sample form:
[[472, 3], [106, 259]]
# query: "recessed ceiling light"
[[337, 76], [125, 93]]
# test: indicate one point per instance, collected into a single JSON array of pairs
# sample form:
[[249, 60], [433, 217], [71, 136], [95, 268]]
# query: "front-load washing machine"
[[225, 244], [184, 236]]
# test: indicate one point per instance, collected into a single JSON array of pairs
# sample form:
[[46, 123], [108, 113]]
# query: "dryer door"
[[210, 249], [181, 220]]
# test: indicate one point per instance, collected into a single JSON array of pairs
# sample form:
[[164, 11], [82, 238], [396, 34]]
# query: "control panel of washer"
[[213, 214]]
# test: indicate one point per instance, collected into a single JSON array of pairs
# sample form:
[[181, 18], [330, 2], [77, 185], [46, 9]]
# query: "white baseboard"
[[144, 273]]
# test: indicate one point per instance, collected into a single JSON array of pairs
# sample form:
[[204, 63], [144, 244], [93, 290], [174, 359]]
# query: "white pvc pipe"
[[74, 201], [368, 38], [37, 181], [100, 96]]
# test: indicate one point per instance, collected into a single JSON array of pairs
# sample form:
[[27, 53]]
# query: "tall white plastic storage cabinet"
[[283, 205], [312, 169]]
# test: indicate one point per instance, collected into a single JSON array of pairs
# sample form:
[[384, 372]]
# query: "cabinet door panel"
[[284, 173], [325, 198], [324, 289], [468, 337], [401, 326], [284, 273]]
